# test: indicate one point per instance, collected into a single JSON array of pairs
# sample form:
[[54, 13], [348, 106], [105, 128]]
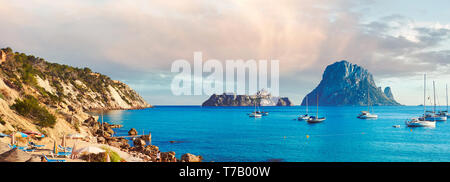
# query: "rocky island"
[[347, 84], [262, 97]]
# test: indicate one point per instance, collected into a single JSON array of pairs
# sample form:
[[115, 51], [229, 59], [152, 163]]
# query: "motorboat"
[[420, 122], [367, 115]]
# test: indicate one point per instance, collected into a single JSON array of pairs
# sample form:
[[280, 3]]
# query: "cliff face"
[[66, 92], [246, 100], [344, 83]]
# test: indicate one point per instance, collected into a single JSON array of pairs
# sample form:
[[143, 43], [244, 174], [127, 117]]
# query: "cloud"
[[129, 39]]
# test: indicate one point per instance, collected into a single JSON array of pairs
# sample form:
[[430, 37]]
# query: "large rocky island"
[[262, 98], [347, 84]]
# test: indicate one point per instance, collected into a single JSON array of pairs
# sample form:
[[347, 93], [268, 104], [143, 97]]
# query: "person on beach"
[[158, 156]]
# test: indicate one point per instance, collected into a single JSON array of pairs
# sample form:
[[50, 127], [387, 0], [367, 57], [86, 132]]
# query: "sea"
[[228, 134]]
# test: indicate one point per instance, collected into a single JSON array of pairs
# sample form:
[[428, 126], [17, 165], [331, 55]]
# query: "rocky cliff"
[[40, 96], [261, 98], [344, 83]]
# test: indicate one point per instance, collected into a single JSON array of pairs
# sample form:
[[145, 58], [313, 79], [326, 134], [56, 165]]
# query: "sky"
[[137, 41]]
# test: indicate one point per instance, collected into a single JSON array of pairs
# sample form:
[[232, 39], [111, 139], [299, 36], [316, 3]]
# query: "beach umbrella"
[[13, 139], [15, 155], [63, 141], [75, 136], [55, 148], [90, 149]]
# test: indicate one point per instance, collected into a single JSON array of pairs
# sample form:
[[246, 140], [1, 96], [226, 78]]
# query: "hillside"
[[344, 83], [54, 98]]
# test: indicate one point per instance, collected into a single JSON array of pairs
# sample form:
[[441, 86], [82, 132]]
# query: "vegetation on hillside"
[[29, 107]]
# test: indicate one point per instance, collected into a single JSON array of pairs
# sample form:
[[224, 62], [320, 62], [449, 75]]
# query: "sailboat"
[[316, 119], [431, 115], [306, 116], [367, 114], [421, 122], [445, 113], [255, 114]]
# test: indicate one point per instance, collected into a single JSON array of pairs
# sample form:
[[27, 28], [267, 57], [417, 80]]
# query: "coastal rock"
[[191, 158], [388, 93], [138, 142], [262, 98], [101, 140], [132, 132], [150, 150], [168, 156], [284, 101], [344, 83]]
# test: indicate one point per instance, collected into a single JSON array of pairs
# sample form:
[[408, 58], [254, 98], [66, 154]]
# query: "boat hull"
[[417, 123], [437, 118], [318, 120]]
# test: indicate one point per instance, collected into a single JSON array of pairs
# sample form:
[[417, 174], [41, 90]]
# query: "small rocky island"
[[347, 84], [266, 99]]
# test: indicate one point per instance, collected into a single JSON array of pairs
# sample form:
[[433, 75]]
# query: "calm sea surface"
[[228, 134]]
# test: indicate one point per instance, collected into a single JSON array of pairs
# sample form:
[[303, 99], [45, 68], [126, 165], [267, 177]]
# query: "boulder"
[[191, 158], [150, 150], [168, 156], [132, 132], [101, 140], [138, 142]]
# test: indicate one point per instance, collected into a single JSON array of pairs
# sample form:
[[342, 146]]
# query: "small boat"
[[396, 126], [314, 119], [431, 116], [420, 122], [367, 115], [263, 113], [304, 117], [255, 115]]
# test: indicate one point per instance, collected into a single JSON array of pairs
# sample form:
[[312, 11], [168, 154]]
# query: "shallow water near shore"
[[227, 134]]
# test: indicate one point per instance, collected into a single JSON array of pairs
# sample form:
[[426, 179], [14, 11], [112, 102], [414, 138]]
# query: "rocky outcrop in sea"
[[344, 83], [261, 98]]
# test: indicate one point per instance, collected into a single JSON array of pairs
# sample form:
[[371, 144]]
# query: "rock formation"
[[344, 83], [262, 97]]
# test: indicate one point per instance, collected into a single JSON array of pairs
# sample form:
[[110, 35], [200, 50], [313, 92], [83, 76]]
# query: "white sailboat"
[[421, 122], [306, 116], [255, 114], [316, 119], [433, 116], [367, 114]]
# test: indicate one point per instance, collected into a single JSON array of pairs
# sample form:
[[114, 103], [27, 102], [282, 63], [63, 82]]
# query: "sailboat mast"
[[424, 94], [368, 102], [317, 105], [306, 104], [446, 93], [434, 95]]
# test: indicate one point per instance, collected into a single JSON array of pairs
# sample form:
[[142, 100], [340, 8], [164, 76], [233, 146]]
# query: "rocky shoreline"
[[142, 147]]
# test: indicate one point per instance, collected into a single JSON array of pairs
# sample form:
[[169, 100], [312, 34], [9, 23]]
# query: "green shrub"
[[2, 122], [29, 107]]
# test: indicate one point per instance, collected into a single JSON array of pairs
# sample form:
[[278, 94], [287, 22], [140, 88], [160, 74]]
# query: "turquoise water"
[[228, 134]]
